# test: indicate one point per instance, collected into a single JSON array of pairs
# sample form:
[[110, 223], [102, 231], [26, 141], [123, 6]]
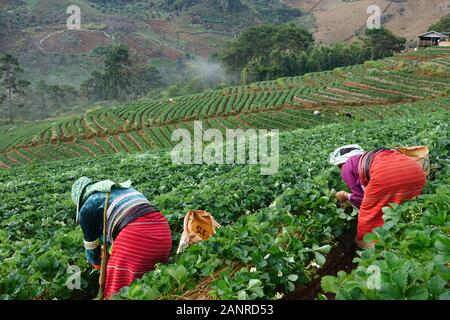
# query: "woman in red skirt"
[[376, 179], [138, 234]]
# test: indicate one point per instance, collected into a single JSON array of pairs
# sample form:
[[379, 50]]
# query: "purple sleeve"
[[350, 176]]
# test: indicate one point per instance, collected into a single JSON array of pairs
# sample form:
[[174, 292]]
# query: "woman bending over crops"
[[137, 234], [376, 179]]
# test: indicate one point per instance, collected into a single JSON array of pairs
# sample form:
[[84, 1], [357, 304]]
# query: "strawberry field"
[[282, 235], [370, 91], [278, 232]]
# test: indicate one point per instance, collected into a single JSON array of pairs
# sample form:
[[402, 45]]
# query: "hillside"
[[297, 219], [155, 31], [409, 83], [344, 20], [160, 33]]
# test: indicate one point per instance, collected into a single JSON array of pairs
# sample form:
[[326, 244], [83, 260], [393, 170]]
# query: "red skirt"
[[139, 246], [394, 178]]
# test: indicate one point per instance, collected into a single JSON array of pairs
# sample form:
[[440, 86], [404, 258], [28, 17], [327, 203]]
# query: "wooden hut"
[[431, 38]]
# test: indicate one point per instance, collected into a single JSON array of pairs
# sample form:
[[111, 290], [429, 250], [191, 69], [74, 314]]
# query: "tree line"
[[271, 51], [121, 79]]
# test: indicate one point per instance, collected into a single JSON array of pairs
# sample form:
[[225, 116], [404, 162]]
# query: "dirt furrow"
[[370, 88], [133, 140]]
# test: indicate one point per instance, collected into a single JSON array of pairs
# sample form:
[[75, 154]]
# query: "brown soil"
[[12, 159], [2, 165], [203, 289], [22, 155], [162, 27], [340, 258], [73, 41], [124, 145], [370, 88], [147, 139], [110, 144], [87, 150], [102, 128], [339, 20], [147, 48], [133, 140], [100, 147], [197, 45], [246, 123]]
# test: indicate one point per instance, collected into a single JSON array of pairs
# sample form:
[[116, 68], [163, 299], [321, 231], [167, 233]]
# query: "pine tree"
[[10, 72], [117, 78]]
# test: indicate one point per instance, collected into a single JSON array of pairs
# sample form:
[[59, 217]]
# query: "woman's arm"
[[351, 179], [356, 198], [91, 224]]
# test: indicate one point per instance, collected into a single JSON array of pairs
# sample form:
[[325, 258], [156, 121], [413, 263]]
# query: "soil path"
[[339, 258]]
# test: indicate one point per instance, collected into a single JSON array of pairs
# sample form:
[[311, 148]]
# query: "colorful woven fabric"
[[84, 187], [125, 205], [138, 247], [121, 207], [364, 165], [350, 176], [394, 178]]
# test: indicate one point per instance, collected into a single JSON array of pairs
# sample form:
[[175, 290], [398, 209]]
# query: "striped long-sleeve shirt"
[[124, 206], [351, 178]]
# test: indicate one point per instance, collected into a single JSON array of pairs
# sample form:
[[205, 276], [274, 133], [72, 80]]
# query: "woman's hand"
[[345, 205], [364, 245], [342, 196]]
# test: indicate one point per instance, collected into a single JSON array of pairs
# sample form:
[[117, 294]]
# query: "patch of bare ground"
[[73, 41], [341, 20], [133, 140], [203, 290], [340, 258]]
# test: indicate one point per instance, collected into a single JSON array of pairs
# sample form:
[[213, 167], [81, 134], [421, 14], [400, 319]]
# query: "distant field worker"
[[138, 235], [376, 178]]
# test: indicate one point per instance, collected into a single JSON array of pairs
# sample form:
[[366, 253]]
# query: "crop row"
[[43, 239], [273, 244], [369, 84], [148, 138]]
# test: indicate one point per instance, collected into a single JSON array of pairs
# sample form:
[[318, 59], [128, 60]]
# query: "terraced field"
[[281, 234], [278, 232], [411, 83]]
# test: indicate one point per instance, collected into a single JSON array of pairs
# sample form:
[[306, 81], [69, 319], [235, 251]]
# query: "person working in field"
[[376, 179], [138, 235]]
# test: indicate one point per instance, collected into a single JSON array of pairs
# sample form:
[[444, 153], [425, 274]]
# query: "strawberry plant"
[[411, 255], [277, 231]]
